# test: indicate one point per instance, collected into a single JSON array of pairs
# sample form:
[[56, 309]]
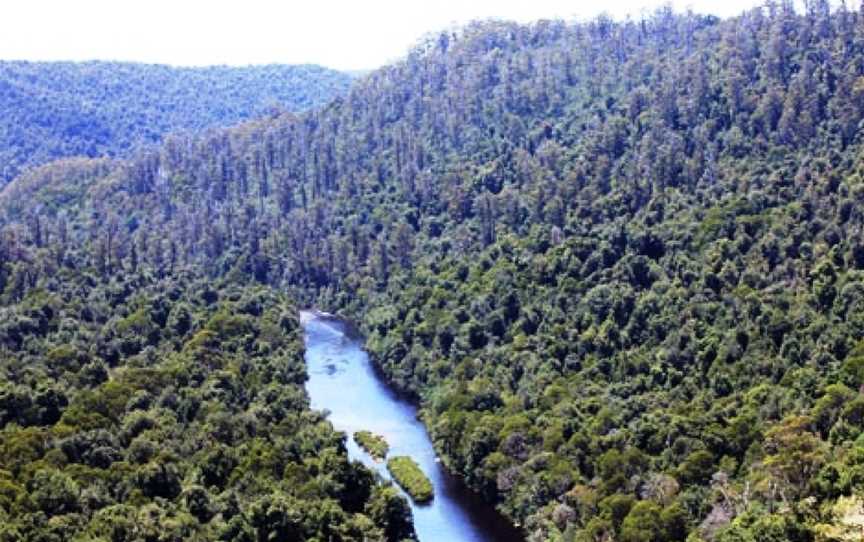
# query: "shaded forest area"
[[171, 408], [619, 264], [51, 110]]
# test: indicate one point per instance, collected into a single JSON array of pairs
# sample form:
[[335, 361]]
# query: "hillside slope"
[[171, 408], [620, 265], [51, 110]]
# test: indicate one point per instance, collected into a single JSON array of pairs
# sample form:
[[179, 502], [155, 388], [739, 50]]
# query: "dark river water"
[[343, 381]]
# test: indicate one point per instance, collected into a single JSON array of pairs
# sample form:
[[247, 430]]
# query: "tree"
[[54, 493], [388, 509], [793, 455]]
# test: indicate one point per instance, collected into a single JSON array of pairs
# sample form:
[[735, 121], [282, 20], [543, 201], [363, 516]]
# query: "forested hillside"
[[51, 110], [165, 407], [619, 264]]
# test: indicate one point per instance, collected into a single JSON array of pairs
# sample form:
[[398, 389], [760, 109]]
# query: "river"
[[343, 381]]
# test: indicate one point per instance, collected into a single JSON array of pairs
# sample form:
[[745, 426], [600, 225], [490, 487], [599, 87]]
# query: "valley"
[[343, 383], [607, 277]]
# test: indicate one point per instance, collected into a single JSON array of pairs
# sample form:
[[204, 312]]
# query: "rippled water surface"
[[343, 381]]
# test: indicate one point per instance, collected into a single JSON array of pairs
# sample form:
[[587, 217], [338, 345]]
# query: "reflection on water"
[[343, 382]]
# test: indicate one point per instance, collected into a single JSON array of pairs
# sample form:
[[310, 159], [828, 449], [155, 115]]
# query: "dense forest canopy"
[[51, 110], [619, 264]]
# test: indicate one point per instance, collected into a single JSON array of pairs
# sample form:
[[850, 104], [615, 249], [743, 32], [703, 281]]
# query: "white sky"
[[342, 34]]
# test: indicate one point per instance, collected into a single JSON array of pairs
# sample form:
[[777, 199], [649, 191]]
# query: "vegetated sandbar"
[[407, 474], [375, 445]]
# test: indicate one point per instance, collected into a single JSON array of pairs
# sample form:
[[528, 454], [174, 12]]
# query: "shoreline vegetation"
[[411, 478], [374, 445]]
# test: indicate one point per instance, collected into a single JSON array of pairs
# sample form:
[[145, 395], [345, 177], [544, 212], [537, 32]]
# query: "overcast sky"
[[345, 34]]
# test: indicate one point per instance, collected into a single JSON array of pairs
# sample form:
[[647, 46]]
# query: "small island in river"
[[408, 475], [373, 444]]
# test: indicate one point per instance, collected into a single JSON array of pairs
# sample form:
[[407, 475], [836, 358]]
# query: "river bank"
[[343, 381]]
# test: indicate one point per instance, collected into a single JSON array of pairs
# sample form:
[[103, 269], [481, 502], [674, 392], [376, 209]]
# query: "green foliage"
[[169, 444], [62, 109], [387, 508], [408, 475], [755, 527], [375, 445], [617, 264]]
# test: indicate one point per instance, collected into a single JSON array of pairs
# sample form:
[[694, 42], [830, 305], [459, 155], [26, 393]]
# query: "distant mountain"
[[50, 110]]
